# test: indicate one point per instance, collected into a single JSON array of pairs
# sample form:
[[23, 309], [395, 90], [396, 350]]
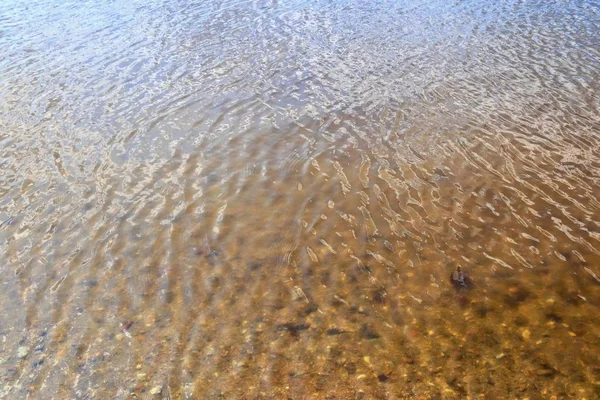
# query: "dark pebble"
[[367, 332], [521, 320], [334, 331], [480, 310], [460, 280], [90, 283], [353, 310], [293, 329], [254, 266], [514, 299], [168, 297], [379, 296], [350, 368], [553, 317], [310, 309]]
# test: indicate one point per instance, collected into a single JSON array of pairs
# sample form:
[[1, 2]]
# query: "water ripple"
[[235, 199]]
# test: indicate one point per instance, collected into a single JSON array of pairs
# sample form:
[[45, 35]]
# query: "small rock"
[[521, 320], [500, 356], [334, 331], [460, 280], [366, 331], [350, 368], [516, 296], [150, 320], [545, 372], [480, 310], [553, 317], [22, 352], [526, 334], [156, 390], [293, 328]]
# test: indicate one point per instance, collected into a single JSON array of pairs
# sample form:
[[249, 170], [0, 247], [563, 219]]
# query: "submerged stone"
[[22, 352], [460, 279], [368, 332]]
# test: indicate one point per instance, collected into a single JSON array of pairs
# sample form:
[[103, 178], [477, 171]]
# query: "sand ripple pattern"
[[264, 199]]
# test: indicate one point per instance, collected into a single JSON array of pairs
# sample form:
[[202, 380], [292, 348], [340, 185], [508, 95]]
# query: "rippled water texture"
[[267, 199]]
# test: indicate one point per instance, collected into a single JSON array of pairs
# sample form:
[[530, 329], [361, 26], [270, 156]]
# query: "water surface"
[[267, 199]]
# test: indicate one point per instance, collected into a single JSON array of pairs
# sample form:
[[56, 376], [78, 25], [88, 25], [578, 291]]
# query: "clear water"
[[267, 199]]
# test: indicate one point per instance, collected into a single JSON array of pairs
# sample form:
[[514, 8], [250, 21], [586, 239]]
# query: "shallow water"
[[265, 199]]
